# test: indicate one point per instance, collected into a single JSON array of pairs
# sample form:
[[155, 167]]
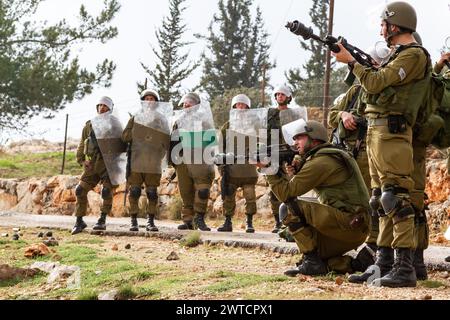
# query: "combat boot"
[[311, 265], [134, 223], [447, 259], [200, 222], [278, 224], [79, 226], [402, 274], [364, 259], [385, 259], [249, 228], [419, 265], [227, 225], [101, 223], [151, 224], [186, 226]]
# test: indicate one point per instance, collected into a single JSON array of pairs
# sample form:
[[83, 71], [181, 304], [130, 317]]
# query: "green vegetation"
[[192, 239], [38, 165]]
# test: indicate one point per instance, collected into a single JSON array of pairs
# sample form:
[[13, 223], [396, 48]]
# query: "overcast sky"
[[357, 20]]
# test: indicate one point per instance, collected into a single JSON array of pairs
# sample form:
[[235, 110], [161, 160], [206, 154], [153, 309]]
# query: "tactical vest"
[[404, 99], [351, 195]]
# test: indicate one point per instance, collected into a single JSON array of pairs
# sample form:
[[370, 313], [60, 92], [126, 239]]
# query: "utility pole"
[[326, 89], [263, 86], [65, 144]]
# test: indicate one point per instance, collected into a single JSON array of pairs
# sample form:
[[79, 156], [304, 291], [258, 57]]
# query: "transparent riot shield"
[[108, 131], [198, 140], [247, 131], [292, 114], [151, 137]]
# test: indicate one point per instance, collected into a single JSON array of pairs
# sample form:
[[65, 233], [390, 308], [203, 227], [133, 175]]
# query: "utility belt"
[[395, 123]]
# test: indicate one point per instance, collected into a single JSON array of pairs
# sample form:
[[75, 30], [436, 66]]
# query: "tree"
[[171, 68], [309, 89], [238, 49], [37, 72]]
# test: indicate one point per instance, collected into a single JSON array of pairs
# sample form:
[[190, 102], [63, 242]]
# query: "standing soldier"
[[101, 153], [283, 97], [148, 135], [439, 68], [394, 93], [194, 179], [347, 118], [240, 175]]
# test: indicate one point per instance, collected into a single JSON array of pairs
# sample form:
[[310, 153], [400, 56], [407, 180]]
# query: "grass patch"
[[432, 284], [192, 239], [37, 165], [87, 294], [237, 280], [174, 207], [126, 292], [144, 275]]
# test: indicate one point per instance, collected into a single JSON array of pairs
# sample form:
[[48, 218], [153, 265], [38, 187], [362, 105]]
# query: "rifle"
[[331, 42], [283, 152]]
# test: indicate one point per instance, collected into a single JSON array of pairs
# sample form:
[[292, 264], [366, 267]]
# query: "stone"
[[15, 236], [51, 242], [4, 235], [128, 246], [173, 256], [115, 247], [40, 235], [49, 234], [108, 295]]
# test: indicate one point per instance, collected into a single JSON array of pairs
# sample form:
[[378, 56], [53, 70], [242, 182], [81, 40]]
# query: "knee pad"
[[79, 190], [389, 201], [374, 201], [403, 213], [283, 212], [152, 194], [106, 193], [135, 192], [203, 194]]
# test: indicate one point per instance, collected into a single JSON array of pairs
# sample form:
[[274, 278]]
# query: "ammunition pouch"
[[374, 202], [397, 124]]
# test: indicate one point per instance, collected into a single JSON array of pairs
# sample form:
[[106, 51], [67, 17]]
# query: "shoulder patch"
[[402, 74]]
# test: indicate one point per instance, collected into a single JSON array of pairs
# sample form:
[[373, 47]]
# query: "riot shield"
[[151, 137], [196, 131], [292, 114], [247, 130], [108, 131]]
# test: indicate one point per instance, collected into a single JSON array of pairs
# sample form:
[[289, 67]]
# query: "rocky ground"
[[113, 267]]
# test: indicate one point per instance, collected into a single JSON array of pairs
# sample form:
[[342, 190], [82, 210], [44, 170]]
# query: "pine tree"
[[38, 70], [171, 68], [238, 49]]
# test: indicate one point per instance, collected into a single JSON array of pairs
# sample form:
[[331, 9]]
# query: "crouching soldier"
[[326, 230], [101, 153], [148, 137]]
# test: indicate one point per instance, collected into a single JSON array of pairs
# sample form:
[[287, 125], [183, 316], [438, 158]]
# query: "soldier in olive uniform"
[[439, 68], [194, 190], [90, 157], [283, 97], [394, 94], [241, 175], [136, 179], [326, 230]]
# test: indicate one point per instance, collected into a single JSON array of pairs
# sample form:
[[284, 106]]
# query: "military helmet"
[[194, 97], [149, 92], [284, 90], [242, 98], [107, 101], [401, 14], [417, 37], [314, 129]]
